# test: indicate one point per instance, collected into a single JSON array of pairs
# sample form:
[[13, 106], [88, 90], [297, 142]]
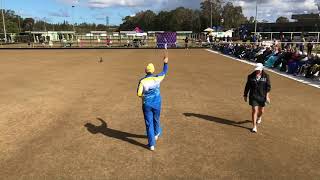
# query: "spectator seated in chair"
[[273, 58], [290, 60]]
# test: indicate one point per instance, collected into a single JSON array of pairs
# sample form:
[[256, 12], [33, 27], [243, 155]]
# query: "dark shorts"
[[254, 102]]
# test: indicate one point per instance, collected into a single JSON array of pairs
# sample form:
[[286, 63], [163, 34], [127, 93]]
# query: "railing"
[[104, 43]]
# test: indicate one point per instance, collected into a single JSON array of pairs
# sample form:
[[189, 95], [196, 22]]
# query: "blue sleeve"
[[164, 71]]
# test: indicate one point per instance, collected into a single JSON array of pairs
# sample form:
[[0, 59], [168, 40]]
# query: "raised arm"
[[165, 66], [166, 56]]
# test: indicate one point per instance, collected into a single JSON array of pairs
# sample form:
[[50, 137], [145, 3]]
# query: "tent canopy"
[[208, 30], [138, 30]]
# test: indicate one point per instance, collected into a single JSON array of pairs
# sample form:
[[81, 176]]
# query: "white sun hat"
[[259, 67]]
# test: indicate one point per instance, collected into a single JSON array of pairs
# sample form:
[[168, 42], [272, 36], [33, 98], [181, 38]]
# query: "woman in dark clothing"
[[186, 41], [310, 47], [258, 87]]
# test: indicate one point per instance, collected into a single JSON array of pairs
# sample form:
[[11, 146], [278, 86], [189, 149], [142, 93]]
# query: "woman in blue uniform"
[[149, 91]]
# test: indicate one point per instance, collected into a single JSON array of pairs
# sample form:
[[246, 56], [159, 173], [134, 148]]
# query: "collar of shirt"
[[148, 75]]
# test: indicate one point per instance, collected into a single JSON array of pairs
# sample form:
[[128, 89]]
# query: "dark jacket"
[[258, 89]]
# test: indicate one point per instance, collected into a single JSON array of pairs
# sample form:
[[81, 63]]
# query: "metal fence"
[[96, 41]]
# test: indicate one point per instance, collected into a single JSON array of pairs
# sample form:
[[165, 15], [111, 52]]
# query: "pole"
[[211, 13], [44, 24], [73, 18], [19, 24], [4, 23], [256, 23]]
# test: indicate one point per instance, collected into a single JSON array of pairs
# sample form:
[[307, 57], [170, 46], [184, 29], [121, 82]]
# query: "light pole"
[[211, 13], [4, 23], [222, 26], [256, 22], [107, 23], [44, 24], [73, 18], [19, 24]]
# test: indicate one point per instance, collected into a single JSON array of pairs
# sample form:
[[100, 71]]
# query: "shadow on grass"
[[218, 120], [124, 136]]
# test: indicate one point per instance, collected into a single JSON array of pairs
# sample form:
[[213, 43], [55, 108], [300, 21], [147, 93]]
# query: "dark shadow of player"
[[124, 136], [219, 120]]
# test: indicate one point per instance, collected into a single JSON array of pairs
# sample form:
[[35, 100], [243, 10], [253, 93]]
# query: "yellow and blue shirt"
[[149, 88]]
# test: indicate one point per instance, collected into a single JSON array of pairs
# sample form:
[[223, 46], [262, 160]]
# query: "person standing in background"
[[186, 41], [310, 47], [303, 41]]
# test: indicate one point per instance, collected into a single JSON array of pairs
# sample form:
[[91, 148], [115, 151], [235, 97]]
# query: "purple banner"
[[169, 38]]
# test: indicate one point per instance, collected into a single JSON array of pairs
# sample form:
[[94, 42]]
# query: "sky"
[[96, 11]]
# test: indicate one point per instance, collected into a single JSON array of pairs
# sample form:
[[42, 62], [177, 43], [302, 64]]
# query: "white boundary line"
[[295, 78]]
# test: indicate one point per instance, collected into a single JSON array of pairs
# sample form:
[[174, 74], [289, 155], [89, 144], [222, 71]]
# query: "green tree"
[[187, 19], [232, 16], [181, 19], [216, 12], [129, 23], [161, 21], [11, 20], [145, 20], [27, 24], [251, 20], [40, 26], [282, 19], [196, 21], [101, 27]]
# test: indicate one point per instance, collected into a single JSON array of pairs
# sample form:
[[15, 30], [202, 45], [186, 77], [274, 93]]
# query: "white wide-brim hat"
[[259, 67]]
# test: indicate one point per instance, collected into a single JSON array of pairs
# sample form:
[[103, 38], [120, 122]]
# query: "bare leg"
[[254, 116], [260, 112]]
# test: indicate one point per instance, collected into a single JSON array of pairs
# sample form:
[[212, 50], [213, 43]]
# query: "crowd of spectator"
[[290, 59]]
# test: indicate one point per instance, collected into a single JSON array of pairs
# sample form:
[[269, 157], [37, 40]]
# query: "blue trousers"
[[292, 67], [152, 120]]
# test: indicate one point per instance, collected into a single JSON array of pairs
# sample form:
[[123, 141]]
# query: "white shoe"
[[152, 148], [259, 120], [255, 130], [157, 137]]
